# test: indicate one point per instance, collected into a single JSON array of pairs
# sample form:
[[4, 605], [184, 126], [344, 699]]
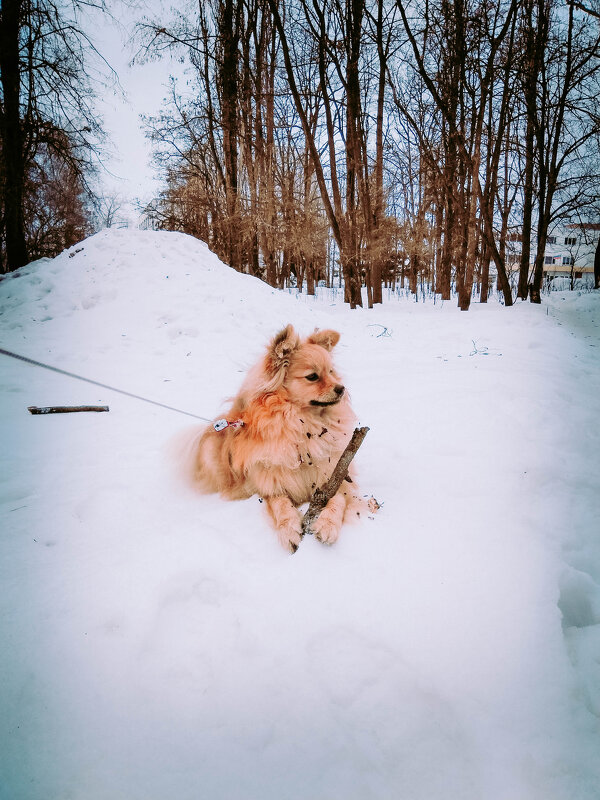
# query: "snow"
[[157, 643]]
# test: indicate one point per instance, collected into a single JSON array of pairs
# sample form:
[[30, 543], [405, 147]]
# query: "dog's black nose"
[[339, 389]]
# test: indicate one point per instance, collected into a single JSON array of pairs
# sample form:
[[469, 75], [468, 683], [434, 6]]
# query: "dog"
[[283, 436]]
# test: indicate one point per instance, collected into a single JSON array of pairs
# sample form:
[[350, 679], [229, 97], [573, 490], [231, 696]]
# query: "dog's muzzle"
[[339, 390]]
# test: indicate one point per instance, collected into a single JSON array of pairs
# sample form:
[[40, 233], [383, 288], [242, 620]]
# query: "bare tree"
[[335, 32], [107, 208], [401, 141], [50, 130], [13, 140], [471, 42], [566, 117]]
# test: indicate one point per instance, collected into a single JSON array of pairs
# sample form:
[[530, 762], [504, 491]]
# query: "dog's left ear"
[[326, 339]]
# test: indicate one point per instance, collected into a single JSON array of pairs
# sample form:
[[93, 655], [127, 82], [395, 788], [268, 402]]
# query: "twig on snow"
[[64, 409]]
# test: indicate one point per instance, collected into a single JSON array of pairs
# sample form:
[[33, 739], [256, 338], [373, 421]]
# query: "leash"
[[60, 371]]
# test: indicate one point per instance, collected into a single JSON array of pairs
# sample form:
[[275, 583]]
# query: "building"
[[570, 251]]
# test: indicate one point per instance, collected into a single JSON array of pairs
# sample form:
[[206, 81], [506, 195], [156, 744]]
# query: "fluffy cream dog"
[[282, 437]]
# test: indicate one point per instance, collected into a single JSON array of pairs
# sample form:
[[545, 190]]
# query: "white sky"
[[129, 173]]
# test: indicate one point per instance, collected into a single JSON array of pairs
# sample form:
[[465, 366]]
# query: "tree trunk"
[[527, 211], [472, 233], [549, 138], [534, 47], [354, 11], [380, 245], [310, 278], [12, 136], [228, 85]]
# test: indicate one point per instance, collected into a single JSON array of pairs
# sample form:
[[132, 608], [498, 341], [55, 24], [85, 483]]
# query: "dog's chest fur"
[[321, 439], [299, 448], [298, 451]]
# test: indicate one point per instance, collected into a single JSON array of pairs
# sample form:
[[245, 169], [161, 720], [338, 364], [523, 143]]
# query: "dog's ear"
[[326, 339], [282, 347], [269, 374]]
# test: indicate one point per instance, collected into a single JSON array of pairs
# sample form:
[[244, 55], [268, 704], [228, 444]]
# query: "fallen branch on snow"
[[64, 409]]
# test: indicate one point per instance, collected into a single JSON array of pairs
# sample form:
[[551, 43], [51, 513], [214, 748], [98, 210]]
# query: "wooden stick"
[[64, 409], [321, 496]]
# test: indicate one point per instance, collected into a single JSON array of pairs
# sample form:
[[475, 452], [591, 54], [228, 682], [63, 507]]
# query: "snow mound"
[[157, 643]]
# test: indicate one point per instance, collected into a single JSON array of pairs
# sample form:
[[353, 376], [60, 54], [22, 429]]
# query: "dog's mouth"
[[323, 403]]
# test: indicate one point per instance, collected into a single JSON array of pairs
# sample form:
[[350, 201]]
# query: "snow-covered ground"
[[159, 644]]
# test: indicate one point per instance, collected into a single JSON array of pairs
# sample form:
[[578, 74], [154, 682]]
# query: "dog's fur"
[[297, 421]]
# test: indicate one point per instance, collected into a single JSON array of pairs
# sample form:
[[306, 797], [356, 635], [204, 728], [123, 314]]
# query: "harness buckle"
[[221, 424]]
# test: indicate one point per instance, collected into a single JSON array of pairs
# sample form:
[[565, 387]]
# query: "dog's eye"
[[312, 377]]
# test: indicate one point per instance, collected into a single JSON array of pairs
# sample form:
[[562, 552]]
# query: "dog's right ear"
[[269, 374], [281, 349]]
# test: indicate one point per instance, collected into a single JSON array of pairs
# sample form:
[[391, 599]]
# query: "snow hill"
[[159, 644]]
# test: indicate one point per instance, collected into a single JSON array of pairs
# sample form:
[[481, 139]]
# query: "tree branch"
[[64, 409], [321, 496], [586, 9]]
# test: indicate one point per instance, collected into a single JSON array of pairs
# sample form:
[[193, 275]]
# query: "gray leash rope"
[[60, 371]]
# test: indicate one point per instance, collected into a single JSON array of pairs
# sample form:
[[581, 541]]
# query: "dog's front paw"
[[289, 538], [286, 521], [326, 529], [328, 524]]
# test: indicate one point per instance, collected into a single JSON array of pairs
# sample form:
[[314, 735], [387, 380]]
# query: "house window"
[[568, 261], [548, 260], [551, 240], [570, 240]]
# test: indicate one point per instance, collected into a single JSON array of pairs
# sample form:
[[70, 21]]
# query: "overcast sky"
[[128, 170]]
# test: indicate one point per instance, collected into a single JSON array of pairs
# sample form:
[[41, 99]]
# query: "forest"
[[358, 143]]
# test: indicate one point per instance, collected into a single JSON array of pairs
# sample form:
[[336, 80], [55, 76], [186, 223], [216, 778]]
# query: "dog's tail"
[[182, 451]]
